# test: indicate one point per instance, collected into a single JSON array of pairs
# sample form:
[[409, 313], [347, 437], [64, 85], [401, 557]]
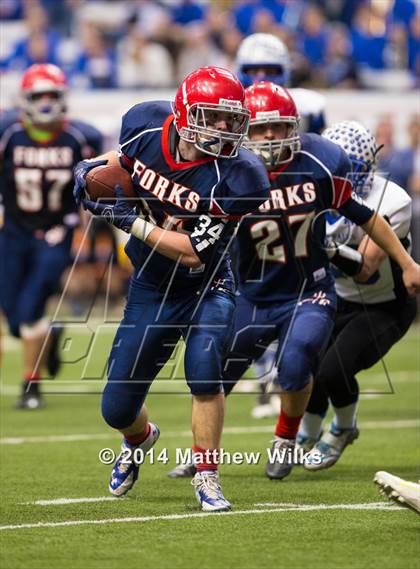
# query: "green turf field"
[[300, 522]]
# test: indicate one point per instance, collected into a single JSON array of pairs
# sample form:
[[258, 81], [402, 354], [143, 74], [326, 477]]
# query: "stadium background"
[[363, 57]]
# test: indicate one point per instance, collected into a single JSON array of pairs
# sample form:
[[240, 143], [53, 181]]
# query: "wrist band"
[[141, 229]]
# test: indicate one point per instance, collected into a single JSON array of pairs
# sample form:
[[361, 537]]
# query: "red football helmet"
[[270, 103], [206, 98], [43, 92]]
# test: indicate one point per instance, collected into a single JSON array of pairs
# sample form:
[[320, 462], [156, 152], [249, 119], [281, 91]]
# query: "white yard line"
[[169, 386], [170, 517], [368, 506], [65, 501], [79, 437]]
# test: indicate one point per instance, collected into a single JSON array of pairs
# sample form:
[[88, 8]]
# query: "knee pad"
[[120, 408], [296, 368]]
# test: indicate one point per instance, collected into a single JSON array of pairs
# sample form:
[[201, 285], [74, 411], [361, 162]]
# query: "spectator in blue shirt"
[[96, 65], [339, 69], [403, 12], [398, 163], [413, 47], [188, 11], [246, 12], [314, 35], [41, 44], [369, 38], [11, 9]]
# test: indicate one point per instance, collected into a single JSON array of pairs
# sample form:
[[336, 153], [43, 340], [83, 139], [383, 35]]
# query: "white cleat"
[[209, 492], [329, 448], [402, 492], [126, 470]]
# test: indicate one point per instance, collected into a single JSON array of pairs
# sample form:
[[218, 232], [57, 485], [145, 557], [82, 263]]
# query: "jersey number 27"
[[269, 245]]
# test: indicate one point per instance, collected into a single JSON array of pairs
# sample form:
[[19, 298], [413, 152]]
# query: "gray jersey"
[[393, 203]]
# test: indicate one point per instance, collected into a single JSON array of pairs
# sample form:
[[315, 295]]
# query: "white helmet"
[[360, 146], [263, 51]]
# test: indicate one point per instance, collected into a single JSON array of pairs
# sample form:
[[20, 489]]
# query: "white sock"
[[345, 417], [310, 425]]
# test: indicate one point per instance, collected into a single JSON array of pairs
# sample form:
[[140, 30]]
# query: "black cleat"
[[30, 397]]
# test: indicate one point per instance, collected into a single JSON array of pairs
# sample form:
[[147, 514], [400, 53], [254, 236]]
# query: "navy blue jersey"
[[36, 179], [281, 250], [184, 196]]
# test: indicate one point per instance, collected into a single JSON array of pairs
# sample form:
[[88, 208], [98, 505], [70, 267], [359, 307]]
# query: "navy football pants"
[[30, 272], [147, 336], [303, 331]]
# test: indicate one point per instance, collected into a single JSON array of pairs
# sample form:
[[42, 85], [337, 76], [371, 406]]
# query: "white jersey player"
[[393, 203], [374, 310]]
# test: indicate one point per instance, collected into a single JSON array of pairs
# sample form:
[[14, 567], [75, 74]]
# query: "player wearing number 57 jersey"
[[39, 148], [285, 284]]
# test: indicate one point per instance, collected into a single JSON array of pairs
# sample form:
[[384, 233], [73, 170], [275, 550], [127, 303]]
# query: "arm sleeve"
[[207, 235], [355, 210]]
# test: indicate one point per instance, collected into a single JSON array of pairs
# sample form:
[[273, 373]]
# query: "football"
[[101, 181]]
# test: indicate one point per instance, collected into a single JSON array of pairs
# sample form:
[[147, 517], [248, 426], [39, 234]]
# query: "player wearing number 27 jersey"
[[39, 147], [286, 289]]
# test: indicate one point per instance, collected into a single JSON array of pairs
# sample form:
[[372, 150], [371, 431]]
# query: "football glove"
[[80, 171], [121, 213]]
